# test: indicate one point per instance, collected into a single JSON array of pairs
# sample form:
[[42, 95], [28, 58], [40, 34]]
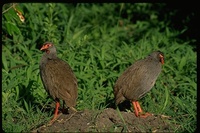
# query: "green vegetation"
[[99, 41]]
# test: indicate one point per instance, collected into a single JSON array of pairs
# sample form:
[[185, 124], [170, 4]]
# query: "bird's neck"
[[47, 57], [50, 56]]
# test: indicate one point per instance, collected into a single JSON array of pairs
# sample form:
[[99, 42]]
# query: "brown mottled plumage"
[[138, 79], [58, 78]]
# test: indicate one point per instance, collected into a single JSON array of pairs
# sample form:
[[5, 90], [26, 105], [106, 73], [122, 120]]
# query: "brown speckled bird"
[[137, 80], [58, 78]]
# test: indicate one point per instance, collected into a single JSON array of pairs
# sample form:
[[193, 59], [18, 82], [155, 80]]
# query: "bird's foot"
[[54, 119], [144, 115]]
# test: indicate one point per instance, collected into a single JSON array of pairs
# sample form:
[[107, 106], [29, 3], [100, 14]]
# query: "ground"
[[107, 120]]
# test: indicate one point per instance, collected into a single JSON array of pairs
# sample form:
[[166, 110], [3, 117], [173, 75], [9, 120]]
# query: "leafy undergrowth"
[[99, 41]]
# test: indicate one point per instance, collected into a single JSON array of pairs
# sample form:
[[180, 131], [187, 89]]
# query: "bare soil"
[[107, 120]]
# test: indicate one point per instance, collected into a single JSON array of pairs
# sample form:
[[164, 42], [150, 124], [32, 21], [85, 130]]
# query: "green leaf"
[[26, 106], [12, 29], [182, 63]]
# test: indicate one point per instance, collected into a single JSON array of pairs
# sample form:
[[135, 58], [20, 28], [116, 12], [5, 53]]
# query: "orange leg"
[[138, 110], [56, 111]]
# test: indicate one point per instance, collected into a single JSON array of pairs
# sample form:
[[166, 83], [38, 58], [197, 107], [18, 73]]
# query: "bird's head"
[[48, 47]]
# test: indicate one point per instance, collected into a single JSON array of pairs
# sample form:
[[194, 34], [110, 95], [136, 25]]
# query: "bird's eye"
[[48, 45]]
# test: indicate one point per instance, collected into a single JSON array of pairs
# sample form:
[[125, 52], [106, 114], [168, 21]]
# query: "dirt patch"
[[108, 120]]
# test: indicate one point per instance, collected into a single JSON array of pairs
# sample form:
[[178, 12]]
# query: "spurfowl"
[[58, 78], [137, 80]]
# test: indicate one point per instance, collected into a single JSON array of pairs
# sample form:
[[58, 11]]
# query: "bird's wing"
[[62, 82]]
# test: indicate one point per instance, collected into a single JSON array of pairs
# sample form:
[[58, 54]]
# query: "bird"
[[58, 79], [137, 80]]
